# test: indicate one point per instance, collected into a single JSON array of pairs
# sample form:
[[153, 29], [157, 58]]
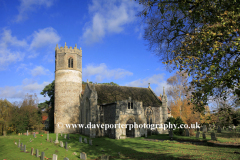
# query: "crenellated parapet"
[[65, 49]]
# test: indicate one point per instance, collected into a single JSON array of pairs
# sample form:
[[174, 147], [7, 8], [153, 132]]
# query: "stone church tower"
[[68, 87]]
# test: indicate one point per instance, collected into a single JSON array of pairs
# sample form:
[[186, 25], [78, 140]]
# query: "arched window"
[[70, 62]]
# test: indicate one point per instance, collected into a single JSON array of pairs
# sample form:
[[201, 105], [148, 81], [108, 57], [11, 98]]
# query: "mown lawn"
[[130, 148]]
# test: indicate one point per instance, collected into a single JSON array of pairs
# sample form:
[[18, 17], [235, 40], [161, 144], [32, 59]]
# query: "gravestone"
[[19, 134], [54, 157], [213, 136], [209, 128], [66, 158], [21, 146], [68, 136], [47, 136], [24, 149], [51, 140], [34, 135], [27, 132], [104, 157], [187, 132], [90, 142], [83, 155], [201, 128], [197, 134], [37, 153], [170, 134], [61, 144], [85, 140], [219, 130], [198, 129], [65, 136], [43, 156], [80, 139], [204, 129], [18, 144], [66, 145], [56, 141], [204, 136], [32, 150]]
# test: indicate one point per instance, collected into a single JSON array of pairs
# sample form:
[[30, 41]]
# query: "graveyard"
[[74, 146]]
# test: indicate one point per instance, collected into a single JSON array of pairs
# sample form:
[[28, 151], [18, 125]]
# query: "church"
[[99, 104]]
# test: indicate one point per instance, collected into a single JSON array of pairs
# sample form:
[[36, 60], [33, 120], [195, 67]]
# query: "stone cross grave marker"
[[42, 156], [54, 157], [66, 147], [219, 129], [85, 140], [213, 136], [56, 141], [104, 157], [90, 142], [37, 153], [83, 156], [80, 139], [32, 150], [204, 136], [197, 135], [187, 132]]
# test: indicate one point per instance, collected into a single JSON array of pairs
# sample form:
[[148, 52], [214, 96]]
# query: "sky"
[[109, 33]]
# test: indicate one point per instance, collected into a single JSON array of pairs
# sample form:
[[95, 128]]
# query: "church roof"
[[110, 93]]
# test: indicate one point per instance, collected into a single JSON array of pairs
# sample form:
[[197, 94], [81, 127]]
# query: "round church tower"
[[68, 87]]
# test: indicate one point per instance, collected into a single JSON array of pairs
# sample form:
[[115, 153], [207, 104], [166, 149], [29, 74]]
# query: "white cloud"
[[157, 79], [8, 56], [44, 37], [102, 72], [39, 70], [27, 6], [19, 92], [109, 17]]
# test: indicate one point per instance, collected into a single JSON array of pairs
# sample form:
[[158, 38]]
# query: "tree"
[[200, 37], [178, 121], [5, 114]]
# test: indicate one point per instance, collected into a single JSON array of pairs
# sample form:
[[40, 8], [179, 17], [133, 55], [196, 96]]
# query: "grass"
[[130, 148]]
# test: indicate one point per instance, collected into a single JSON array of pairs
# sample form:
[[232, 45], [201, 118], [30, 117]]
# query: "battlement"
[[65, 49]]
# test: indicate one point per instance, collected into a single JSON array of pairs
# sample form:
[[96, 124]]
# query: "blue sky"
[[109, 33]]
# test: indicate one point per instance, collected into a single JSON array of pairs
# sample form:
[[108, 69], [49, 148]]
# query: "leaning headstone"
[[47, 136], [104, 157], [37, 153], [83, 155], [66, 145], [213, 136], [80, 139], [90, 142], [197, 135], [170, 134], [24, 149], [61, 144], [56, 141], [204, 129], [219, 129], [187, 132], [204, 136], [85, 140], [27, 132], [54, 157], [32, 150], [65, 136], [43, 156], [68, 136]]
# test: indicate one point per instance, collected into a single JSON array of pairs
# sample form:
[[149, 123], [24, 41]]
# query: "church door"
[[130, 133]]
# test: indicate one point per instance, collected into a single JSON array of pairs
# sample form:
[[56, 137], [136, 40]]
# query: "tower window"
[[130, 105], [70, 63]]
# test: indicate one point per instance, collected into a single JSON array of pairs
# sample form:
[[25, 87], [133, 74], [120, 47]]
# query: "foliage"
[[178, 121], [5, 114], [200, 37]]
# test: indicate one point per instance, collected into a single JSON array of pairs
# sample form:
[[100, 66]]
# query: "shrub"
[[178, 121]]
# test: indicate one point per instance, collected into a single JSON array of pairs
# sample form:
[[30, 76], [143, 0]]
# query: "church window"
[[130, 105], [70, 63]]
